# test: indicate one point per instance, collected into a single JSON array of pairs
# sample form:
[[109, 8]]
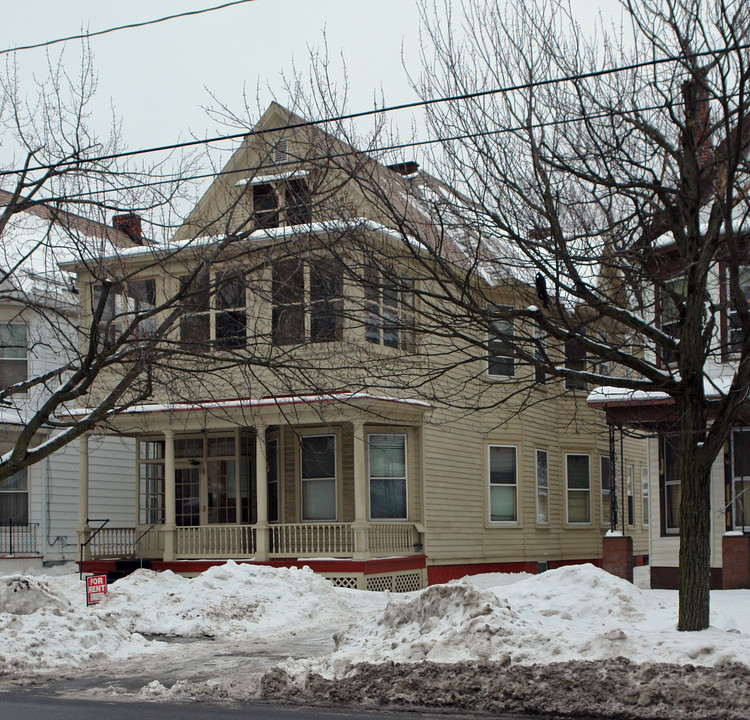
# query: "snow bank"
[[43, 627], [573, 613], [226, 601]]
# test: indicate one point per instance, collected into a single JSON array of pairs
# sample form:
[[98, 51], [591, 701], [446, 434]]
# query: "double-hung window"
[[503, 482], [231, 315], [123, 303], [326, 301], [644, 496], [578, 480], [575, 359], [735, 331], [542, 488], [13, 355], [389, 309], [630, 494], [605, 465], [387, 464], [741, 479], [500, 353], [318, 465], [14, 498], [670, 463], [671, 297]]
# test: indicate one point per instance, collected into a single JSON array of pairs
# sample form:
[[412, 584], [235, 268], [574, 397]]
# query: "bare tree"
[[604, 183]]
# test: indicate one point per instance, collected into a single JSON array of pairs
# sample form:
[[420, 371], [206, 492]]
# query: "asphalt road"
[[29, 705]]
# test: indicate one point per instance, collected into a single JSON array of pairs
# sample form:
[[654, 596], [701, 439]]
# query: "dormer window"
[[265, 206], [281, 199]]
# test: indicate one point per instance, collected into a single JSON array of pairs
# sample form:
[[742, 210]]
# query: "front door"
[[187, 495]]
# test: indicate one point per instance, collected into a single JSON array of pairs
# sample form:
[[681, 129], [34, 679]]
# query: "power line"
[[130, 26], [392, 108]]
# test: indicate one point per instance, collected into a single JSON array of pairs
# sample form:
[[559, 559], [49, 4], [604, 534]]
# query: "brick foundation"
[[735, 555], [617, 556]]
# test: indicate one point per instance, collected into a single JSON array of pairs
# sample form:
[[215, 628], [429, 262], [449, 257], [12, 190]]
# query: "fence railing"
[[392, 538], [18, 538], [311, 539], [216, 541], [113, 542]]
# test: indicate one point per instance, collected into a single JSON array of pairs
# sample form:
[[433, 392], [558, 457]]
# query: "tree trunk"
[[695, 520]]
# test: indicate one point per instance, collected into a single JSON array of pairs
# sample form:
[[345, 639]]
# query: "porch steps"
[[125, 567]]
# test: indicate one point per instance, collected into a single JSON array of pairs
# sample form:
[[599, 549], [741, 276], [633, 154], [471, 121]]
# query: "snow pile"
[[573, 613], [44, 628], [226, 601]]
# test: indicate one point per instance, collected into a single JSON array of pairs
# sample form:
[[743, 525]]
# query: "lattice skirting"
[[397, 582]]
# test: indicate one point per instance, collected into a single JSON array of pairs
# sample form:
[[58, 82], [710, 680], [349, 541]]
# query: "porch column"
[[360, 525], [82, 529], [170, 523], [261, 494]]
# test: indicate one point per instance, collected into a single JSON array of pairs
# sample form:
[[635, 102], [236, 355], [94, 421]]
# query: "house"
[[311, 411], [38, 312], [655, 413]]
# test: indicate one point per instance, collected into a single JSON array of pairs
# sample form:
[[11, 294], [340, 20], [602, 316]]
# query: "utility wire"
[[392, 108], [130, 26]]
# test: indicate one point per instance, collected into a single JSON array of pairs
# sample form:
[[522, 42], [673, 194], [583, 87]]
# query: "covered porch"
[[330, 481]]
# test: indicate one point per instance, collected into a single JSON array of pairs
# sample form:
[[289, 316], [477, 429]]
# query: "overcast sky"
[[158, 76]]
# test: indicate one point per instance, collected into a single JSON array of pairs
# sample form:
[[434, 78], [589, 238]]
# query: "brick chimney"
[[130, 224]]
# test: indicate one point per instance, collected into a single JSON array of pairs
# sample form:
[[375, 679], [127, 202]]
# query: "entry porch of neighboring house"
[[333, 482]]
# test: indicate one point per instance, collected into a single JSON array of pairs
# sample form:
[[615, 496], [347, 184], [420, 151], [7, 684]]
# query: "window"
[[605, 465], [13, 360], [231, 316], [318, 464], [503, 484], [288, 298], [735, 327], [226, 321], [387, 463], [741, 478], [644, 496], [578, 489], [187, 496], [500, 360], [670, 470], [540, 356], [575, 359], [272, 478], [389, 309], [326, 301], [542, 488], [125, 301], [289, 201], [671, 298], [150, 481], [629, 490], [14, 499], [221, 480]]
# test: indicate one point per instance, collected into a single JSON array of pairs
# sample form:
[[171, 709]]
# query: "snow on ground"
[[575, 614]]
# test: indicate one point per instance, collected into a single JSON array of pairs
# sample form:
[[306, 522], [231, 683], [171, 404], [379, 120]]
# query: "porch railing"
[[215, 541], [113, 542], [311, 539], [18, 538], [392, 538]]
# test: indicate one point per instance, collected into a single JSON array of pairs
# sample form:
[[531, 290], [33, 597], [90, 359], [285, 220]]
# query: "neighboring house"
[[38, 312], [655, 414], [320, 452]]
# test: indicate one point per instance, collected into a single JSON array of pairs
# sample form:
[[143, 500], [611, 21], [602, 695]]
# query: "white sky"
[[157, 76]]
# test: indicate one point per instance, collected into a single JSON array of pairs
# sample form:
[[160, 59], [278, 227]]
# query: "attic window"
[[280, 153]]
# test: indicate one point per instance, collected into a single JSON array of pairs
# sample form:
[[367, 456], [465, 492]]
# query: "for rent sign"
[[96, 588]]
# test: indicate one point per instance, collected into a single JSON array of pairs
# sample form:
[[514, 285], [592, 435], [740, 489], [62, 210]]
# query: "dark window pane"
[[575, 359], [194, 329], [14, 507], [231, 328], [265, 206], [288, 283], [230, 290], [287, 325], [318, 456], [299, 206], [198, 292]]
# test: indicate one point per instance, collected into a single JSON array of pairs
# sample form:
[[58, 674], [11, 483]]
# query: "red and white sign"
[[96, 588]]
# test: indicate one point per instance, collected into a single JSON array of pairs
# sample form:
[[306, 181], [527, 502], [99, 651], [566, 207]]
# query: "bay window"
[[318, 466], [387, 476]]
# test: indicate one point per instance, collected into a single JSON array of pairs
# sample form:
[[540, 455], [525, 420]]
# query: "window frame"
[[405, 477], [606, 517], [666, 483], [514, 521], [335, 477], [501, 357], [575, 359], [152, 512], [742, 478], [9, 488], [389, 308], [630, 494], [22, 347], [731, 312], [542, 491], [569, 489], [645, 500]]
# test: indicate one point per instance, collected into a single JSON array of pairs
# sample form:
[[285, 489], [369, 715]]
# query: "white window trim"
[[502, 523], [406, 476], [491, 337], [605, 523], [629, 494], [568, 521], [25, 358], [645, 497]]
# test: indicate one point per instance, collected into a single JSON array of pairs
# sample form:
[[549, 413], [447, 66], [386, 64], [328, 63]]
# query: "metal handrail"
[[91, 537], [139, 539]]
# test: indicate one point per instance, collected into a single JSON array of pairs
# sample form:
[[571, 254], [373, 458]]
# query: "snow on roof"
[[272, 178], [277, 401]]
